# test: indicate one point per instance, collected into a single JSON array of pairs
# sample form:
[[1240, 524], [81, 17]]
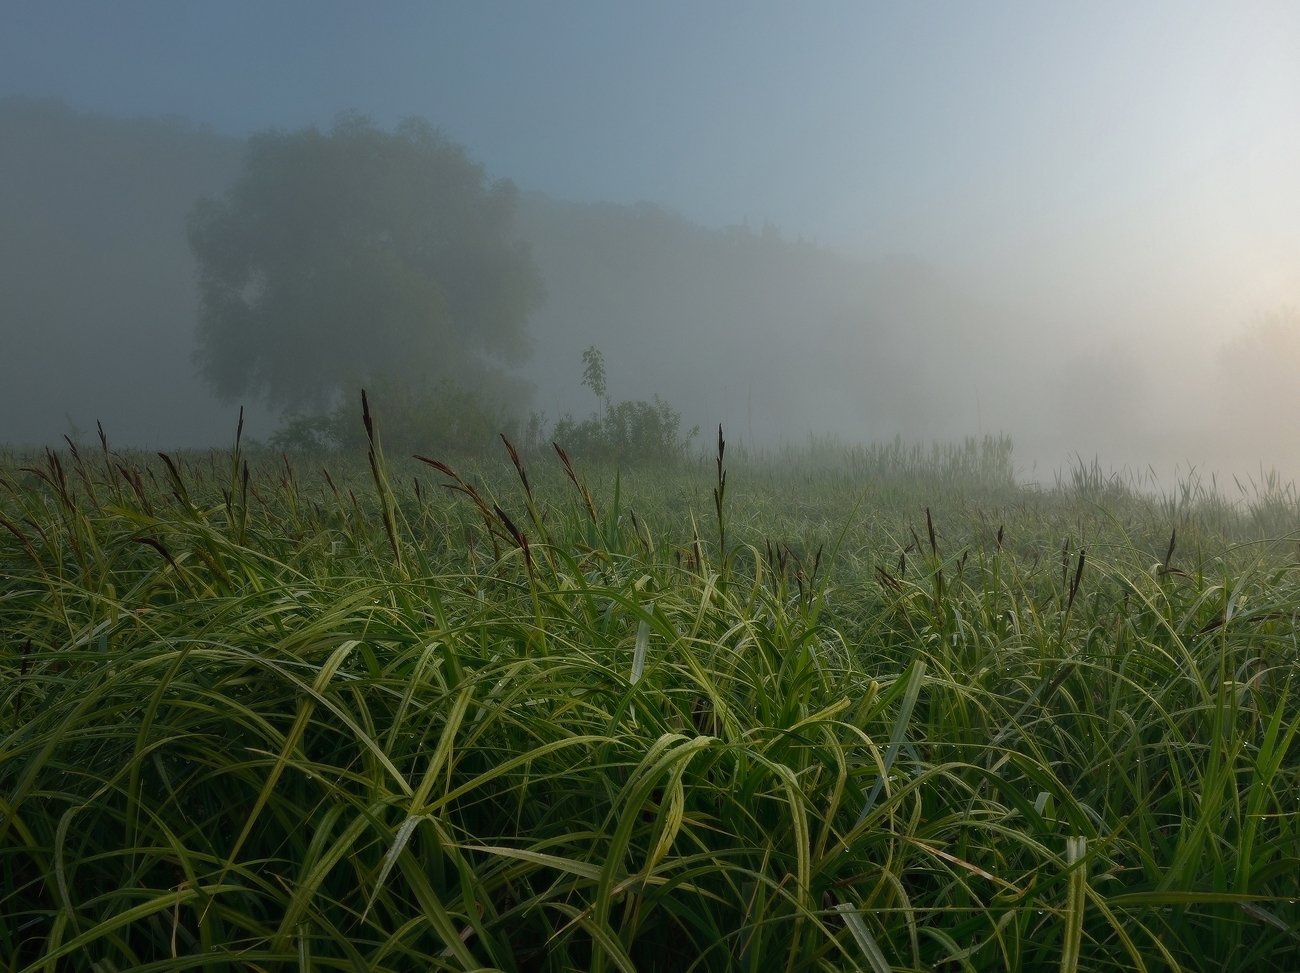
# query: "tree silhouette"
[[338, 258]]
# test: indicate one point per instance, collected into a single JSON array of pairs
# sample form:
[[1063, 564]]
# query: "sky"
[[933, 128], [1116, 171]]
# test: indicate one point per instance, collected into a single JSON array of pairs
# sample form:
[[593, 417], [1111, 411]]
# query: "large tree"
[[359, 254]]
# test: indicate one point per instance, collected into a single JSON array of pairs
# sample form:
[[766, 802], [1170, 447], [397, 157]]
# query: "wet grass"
[[741, 715]]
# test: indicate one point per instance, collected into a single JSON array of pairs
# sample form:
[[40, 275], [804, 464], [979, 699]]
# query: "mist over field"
[[690, 486], [1074, 227]]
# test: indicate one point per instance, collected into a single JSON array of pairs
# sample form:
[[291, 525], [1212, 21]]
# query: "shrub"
[[633, 431], [444, 417]]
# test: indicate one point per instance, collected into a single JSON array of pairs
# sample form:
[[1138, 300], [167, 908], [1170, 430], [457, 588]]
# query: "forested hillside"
[[776, 338], [785, 338]]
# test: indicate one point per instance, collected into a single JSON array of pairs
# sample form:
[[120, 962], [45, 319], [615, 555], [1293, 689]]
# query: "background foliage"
[[357, 255]]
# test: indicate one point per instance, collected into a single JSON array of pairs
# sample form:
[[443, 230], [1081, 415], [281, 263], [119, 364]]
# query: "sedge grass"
[[248, 722]]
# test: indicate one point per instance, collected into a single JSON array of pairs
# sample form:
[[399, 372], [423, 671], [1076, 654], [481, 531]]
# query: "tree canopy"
[[337, 258]]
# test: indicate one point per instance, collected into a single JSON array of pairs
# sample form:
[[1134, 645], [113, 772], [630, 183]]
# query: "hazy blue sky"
[[1131, 164], [1113, 176], [933, 127]]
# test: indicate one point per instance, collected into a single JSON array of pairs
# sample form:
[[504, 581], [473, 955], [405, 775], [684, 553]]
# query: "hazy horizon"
[[1105, 195]]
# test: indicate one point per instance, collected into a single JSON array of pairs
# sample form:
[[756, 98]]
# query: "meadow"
[[833, 709]]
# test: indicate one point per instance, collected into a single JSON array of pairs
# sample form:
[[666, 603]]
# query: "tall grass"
[[256, 715]]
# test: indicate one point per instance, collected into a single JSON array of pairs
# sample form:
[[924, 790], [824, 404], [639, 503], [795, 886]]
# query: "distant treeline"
[[777, 339]]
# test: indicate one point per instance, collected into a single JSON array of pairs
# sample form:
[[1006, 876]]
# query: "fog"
[[1079, 227]]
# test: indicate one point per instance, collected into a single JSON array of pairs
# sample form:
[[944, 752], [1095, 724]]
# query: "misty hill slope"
[[775, 338], [96, 280]]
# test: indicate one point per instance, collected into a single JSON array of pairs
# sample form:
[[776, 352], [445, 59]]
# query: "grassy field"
[[876, 709]]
